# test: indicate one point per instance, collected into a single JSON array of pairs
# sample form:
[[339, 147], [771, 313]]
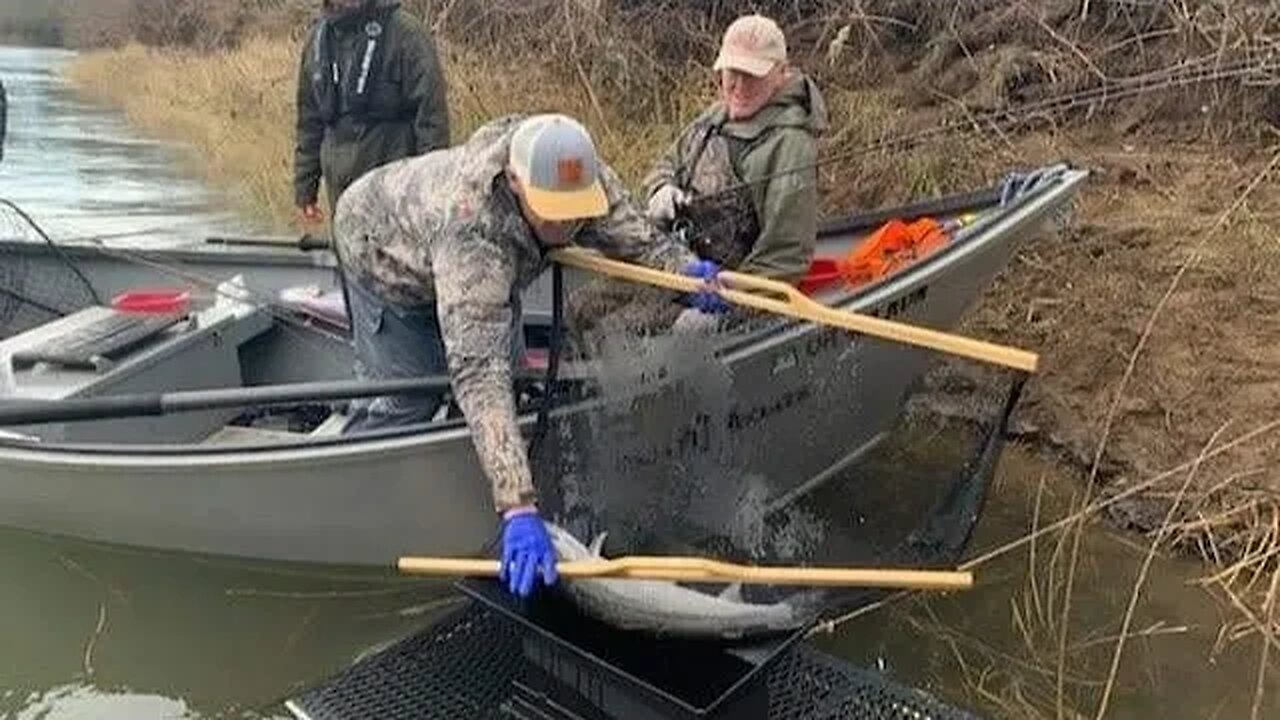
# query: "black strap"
[[332, 85], [553, 366]]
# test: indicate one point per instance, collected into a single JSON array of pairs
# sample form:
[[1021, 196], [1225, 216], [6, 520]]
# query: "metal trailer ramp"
[[495, 658]]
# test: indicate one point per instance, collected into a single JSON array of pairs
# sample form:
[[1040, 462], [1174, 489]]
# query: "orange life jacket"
[[892, 247]]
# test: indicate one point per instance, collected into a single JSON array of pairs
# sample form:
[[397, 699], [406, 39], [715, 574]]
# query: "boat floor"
[[237, 435], [241, 435]]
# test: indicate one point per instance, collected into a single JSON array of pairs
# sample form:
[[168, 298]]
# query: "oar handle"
[[703, 570], [30, 412], [795, 304], [306, 241]]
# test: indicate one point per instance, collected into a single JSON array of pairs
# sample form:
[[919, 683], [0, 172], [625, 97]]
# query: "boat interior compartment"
[[101, 351]]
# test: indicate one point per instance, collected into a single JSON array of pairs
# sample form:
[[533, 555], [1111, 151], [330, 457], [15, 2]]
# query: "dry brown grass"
[[235, 109]]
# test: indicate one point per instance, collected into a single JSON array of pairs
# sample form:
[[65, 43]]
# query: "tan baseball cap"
[[555, 160], [753, 44]]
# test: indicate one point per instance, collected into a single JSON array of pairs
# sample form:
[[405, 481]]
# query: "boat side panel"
[[366, 503]]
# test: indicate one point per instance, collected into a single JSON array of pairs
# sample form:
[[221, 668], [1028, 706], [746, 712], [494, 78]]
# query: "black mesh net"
[[39, 280], [784, 443]]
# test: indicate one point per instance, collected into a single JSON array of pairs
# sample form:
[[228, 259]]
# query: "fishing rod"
[[240, 293], [1174, 76]]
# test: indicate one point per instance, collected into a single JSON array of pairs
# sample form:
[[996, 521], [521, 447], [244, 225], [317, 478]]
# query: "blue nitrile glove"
[[708, 301], [526, 547]]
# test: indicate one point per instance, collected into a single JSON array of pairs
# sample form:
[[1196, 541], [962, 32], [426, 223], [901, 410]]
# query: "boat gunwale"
[[972, 238], [192, 252]]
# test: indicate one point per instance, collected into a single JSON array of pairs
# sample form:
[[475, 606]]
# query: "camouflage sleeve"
[[427, 91], [309, 135], [663, 171], [787, 205], [625, 233], [474, 283], [667, 167]]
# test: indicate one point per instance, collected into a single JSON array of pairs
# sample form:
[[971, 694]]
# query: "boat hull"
[[808, 401]]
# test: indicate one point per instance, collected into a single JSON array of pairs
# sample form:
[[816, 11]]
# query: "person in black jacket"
[[370, 91]]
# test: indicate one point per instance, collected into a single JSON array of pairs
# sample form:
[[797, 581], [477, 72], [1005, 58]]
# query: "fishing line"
[[289, 322], [1174, 76], [240, 294]]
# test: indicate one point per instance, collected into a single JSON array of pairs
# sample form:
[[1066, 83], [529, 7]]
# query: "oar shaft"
[[700, 570], [30, 412], [300, 392], [799, 306], [902, 332]]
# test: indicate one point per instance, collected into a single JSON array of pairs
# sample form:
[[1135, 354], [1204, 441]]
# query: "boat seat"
[[100, 351], [91, 344]]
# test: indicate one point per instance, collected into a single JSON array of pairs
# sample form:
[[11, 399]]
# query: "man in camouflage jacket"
[[370, 90], [740, 182], [438, 250]]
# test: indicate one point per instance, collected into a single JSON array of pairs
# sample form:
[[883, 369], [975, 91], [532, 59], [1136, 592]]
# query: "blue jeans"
[[395, 341]]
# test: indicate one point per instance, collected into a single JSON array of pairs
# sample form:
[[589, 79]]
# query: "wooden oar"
[[639, 567], [787, 300], [306, 241]]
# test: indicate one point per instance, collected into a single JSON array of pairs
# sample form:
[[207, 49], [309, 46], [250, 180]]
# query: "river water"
[[79, 171], [88, 631]]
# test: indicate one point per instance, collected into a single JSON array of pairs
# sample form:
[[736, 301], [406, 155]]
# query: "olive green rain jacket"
[[370, 91], [762, 170]]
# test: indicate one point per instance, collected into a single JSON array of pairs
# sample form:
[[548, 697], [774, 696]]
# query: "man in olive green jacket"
[[740, 183], [370, 91]]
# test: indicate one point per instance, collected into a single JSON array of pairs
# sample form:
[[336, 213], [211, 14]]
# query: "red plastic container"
[[158, 302], [822, 272]]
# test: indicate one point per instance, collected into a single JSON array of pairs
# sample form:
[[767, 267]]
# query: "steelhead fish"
[[664, 607]]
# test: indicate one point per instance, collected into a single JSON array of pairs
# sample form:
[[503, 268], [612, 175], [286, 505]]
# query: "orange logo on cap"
[[570, 171]]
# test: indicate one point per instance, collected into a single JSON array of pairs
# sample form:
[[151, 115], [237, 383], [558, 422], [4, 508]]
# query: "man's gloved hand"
[[665, 202], [526, 548], [707, 300]]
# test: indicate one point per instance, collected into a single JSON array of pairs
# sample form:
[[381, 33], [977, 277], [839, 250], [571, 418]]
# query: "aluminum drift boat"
[[191, 483]]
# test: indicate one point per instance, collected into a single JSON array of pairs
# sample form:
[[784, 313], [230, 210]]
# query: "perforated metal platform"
[[475, 664]]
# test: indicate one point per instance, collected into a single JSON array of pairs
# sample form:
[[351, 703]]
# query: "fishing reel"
[[715, 229]]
